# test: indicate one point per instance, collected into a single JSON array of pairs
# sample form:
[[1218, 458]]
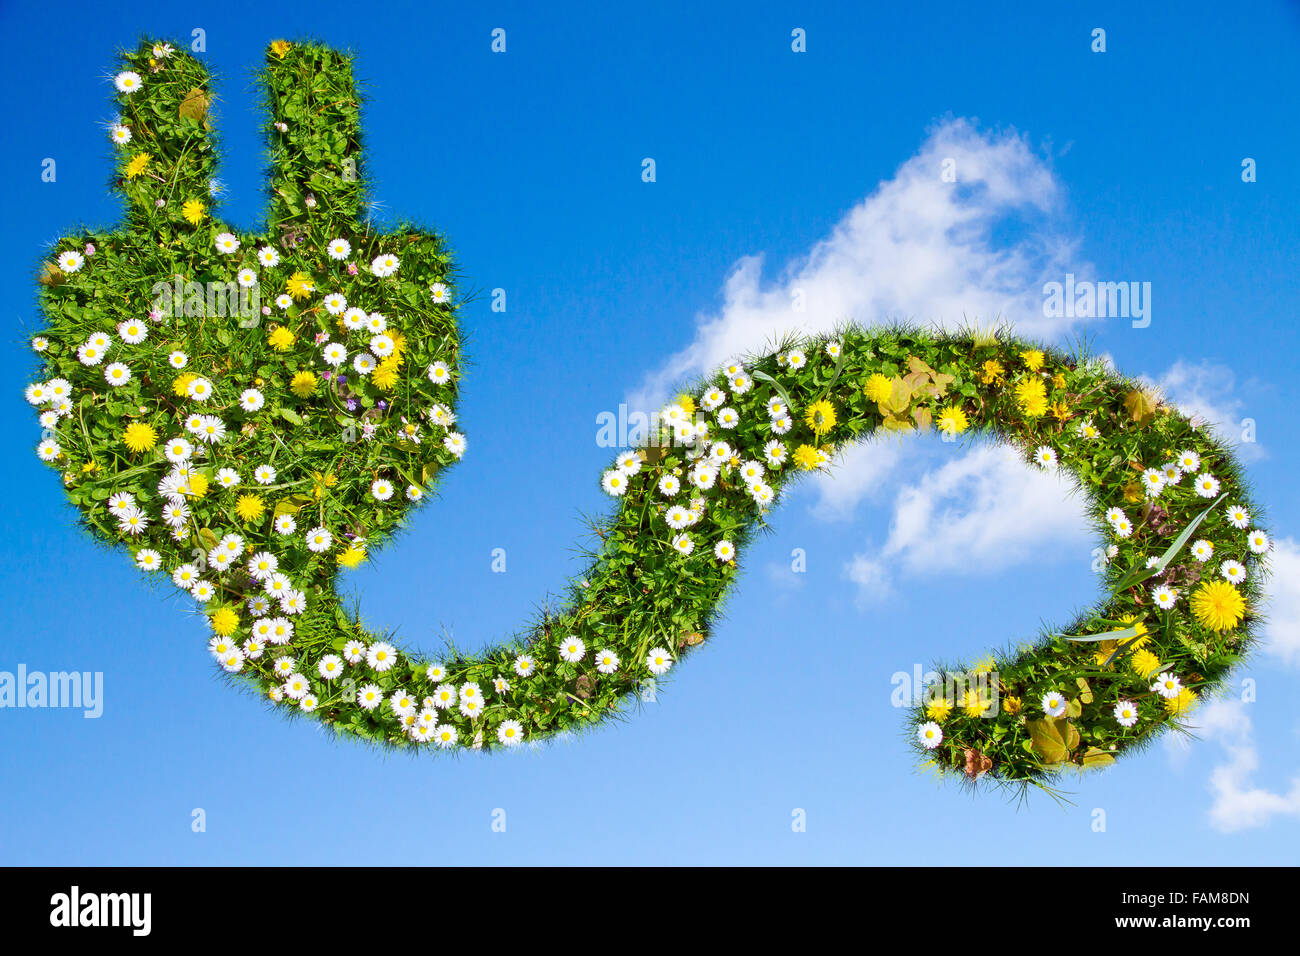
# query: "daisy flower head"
[[572, 649], [354, 652], [268, 257], [330, 667], [658, 661], [319, 540], [119, 134], [439, 373], [1238, 517], [741, 383], [1045, 457], [1188, 461], [683, 544], [178, 359], [795, 360], [285, 524], [930, 735], [369, 697], [132, 331], [525, 665], [1164, 596], [128, 81], [1202, 550], [385, 265], [381, 656], [1207, 486], [724, 550], [1087, 430], [711, 399], [455, 443], [1053, 703], [629, 462], [439, 293], [606, 661], [364, 364], [146, 559], [251, 400], [1153, 480], [338, 249], [226, 243], [381, 489], [246, 278], [264, 474], [510, 733], [1257, 541], [1126, 713], [1167, 685], [334, 354], [728, 418], [614, 482], [1233, 571], [335, 303]]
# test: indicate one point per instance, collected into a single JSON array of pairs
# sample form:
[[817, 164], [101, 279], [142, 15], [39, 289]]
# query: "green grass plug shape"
[[247, 414]]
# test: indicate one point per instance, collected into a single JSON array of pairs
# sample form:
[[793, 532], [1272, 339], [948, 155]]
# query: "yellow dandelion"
[[1218, 605], [1061, 412], [385, 374], [1033, 359], [1012, 705], [939, 709], [351, 557], [280, 48], [973, 704], [303, 384], [878, 388], [952, 420], [300, 285], [1031, 393], [1144, 663], [807, 457], [181, 383], [281, 338], [686, 403], [224, 620], [197, 486], [1185, 701], [137, 165], [820, 417], [250, 507], [399, 345], [991, 372], [194, 211], [139, 437], [1058, 380]]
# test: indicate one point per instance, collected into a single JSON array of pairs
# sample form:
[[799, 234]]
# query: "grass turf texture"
[[317, 464]]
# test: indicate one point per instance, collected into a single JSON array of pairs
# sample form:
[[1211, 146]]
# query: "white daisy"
[[251, 400], [226, 243], [1207, 486], [1045, 457], [1164, 596], [1257, 541], [285, 524], [606, 661], [381, 656], [614, 482], [572, 649], [930, 734], [385, 265], [1167, 686], [455, 443], [147, 559], [1188, 461], [319, 540], [330, 667], [524, 665], [339, 249], [724, 550], [178, 359], [264, 474], [381, 489], [1126, 714], [369, 696], [1233, 571], [439, 293], [1053, 704], [268, 257], [334, 354], [1238, 517], [510, 733], [132, 331], [128, 81], [1202, 550]]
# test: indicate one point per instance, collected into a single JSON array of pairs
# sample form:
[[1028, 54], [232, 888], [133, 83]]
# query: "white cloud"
[[1281, 630], [1238, 805], [979, 513], [1209, 391], [917, 248]]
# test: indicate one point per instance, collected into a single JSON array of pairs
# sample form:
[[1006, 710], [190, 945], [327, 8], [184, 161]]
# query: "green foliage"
[[340, 439]]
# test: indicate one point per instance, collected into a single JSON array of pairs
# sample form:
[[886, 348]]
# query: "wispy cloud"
[[916, 248], [1210, 391], [1238, 803], [979, 513], [1282, 627]]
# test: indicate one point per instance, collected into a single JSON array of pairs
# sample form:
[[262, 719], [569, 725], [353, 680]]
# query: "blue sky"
[[1122, 165]]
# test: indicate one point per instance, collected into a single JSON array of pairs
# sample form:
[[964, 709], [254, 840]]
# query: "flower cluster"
[[248, 443]]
